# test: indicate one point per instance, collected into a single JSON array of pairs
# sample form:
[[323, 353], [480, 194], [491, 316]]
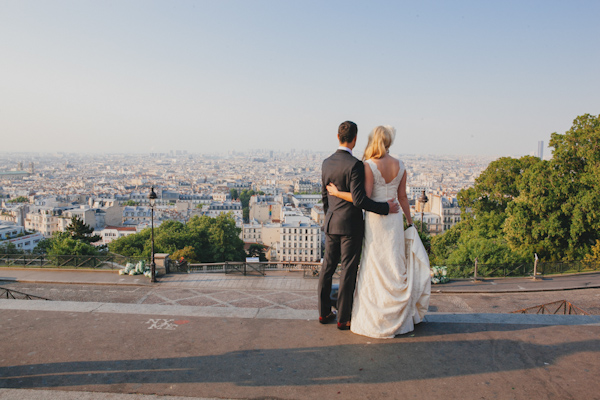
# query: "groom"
[[344, 225]]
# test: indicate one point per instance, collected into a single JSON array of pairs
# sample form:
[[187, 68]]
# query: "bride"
[[393, 288]]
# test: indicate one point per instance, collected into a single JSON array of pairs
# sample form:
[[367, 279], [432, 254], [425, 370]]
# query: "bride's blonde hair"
[[380, 140]]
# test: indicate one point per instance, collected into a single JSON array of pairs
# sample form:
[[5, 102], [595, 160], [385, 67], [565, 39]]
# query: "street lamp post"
[[423, 200], [152, 199]]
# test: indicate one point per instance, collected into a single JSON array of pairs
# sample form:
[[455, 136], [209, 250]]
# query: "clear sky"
[[454, 77]]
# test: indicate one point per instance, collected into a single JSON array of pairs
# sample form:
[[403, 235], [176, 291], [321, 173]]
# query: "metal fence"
[[310, 269], [249, 268], [523, 269], [108, 261]]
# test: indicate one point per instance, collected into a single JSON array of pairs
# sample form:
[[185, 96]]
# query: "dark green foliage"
[[42, 246], [76, 240], [245, 197], [187, 253], [257, 250], [80, 231], [9, 248], [245, 200], [63, 244], [210, 239], [524, 206], [557, 213], [20, 199]]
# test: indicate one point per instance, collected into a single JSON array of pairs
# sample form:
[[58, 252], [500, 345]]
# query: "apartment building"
[[300, 241], [18, 236], [217, 208], [110, 233], [47, 221], [265, 209]]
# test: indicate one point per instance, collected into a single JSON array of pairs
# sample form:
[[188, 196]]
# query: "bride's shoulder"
[[394, 160]]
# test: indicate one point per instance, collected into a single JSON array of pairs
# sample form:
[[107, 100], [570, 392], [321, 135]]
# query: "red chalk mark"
[[181, 322]]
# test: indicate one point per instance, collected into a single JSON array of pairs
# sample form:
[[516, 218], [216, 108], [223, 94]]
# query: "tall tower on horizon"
[[540, 149]]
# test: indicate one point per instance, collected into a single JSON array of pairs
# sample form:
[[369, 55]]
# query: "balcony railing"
[[248, 268], [309, 269], [109, 261], [522, 269]]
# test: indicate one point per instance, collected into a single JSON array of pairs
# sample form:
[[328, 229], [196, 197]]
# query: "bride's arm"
[[333, 190], [369, 180], [403, 199]]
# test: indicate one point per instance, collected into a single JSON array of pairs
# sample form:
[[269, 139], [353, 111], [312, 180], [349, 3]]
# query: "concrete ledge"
[[30, 394], [267, 313]]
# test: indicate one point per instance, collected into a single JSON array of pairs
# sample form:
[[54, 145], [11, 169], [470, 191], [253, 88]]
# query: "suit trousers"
[[345, 250]]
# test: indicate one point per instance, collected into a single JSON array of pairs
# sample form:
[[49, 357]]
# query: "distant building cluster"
[[110, 193]]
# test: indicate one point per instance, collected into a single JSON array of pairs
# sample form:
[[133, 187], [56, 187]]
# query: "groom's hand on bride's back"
[[394, 206]]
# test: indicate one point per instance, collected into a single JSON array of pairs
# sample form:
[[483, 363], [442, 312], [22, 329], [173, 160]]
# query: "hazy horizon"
[[462, 78]]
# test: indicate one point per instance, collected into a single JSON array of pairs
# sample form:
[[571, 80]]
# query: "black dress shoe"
[[327, 319], [343, 326]]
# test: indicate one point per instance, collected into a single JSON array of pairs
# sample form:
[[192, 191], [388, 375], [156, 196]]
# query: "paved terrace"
[[91, 350]]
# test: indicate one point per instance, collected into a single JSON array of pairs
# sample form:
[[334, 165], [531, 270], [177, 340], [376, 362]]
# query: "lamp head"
[[423, 199], [152, 197]]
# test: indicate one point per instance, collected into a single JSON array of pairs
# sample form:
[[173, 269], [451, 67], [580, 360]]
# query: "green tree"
[[187, 253], [63, 244], [81, 231], [211, 239], [20, 199], [557, 213], [480, 233], [524, 206], [245, 197], [245, 200], [131, 245], [234, 194], [42, 246], [131, 203], [594, 256], [225, 240], [257, 250], [9, 248]]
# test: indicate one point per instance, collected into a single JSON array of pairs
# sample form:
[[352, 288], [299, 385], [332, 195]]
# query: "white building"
[[266, 208], [17, 235], [290, 242], [47, 221], [446, 208], [217, 208], [433, 222], [317, 213], [134, 215], [303, 186], [306, 200], [300, 242], [111, 233]]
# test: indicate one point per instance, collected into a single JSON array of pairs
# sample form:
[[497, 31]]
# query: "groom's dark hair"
[[347, 131]]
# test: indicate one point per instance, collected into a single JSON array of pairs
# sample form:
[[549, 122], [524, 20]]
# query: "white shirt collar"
[[345, 149]]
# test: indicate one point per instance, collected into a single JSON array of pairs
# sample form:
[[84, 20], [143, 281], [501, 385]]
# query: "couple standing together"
[[393, 288]]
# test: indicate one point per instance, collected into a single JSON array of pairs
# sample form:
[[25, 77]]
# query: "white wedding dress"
[[394, 280]]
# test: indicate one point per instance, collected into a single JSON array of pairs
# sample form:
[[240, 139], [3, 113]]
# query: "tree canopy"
[[202, 239], [81, 231], [519, 207], [20, 199]]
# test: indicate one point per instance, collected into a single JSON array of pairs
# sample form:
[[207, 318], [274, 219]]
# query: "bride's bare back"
[[388, 166]]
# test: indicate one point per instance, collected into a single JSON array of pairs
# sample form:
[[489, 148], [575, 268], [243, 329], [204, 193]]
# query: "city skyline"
[[460, 78]]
